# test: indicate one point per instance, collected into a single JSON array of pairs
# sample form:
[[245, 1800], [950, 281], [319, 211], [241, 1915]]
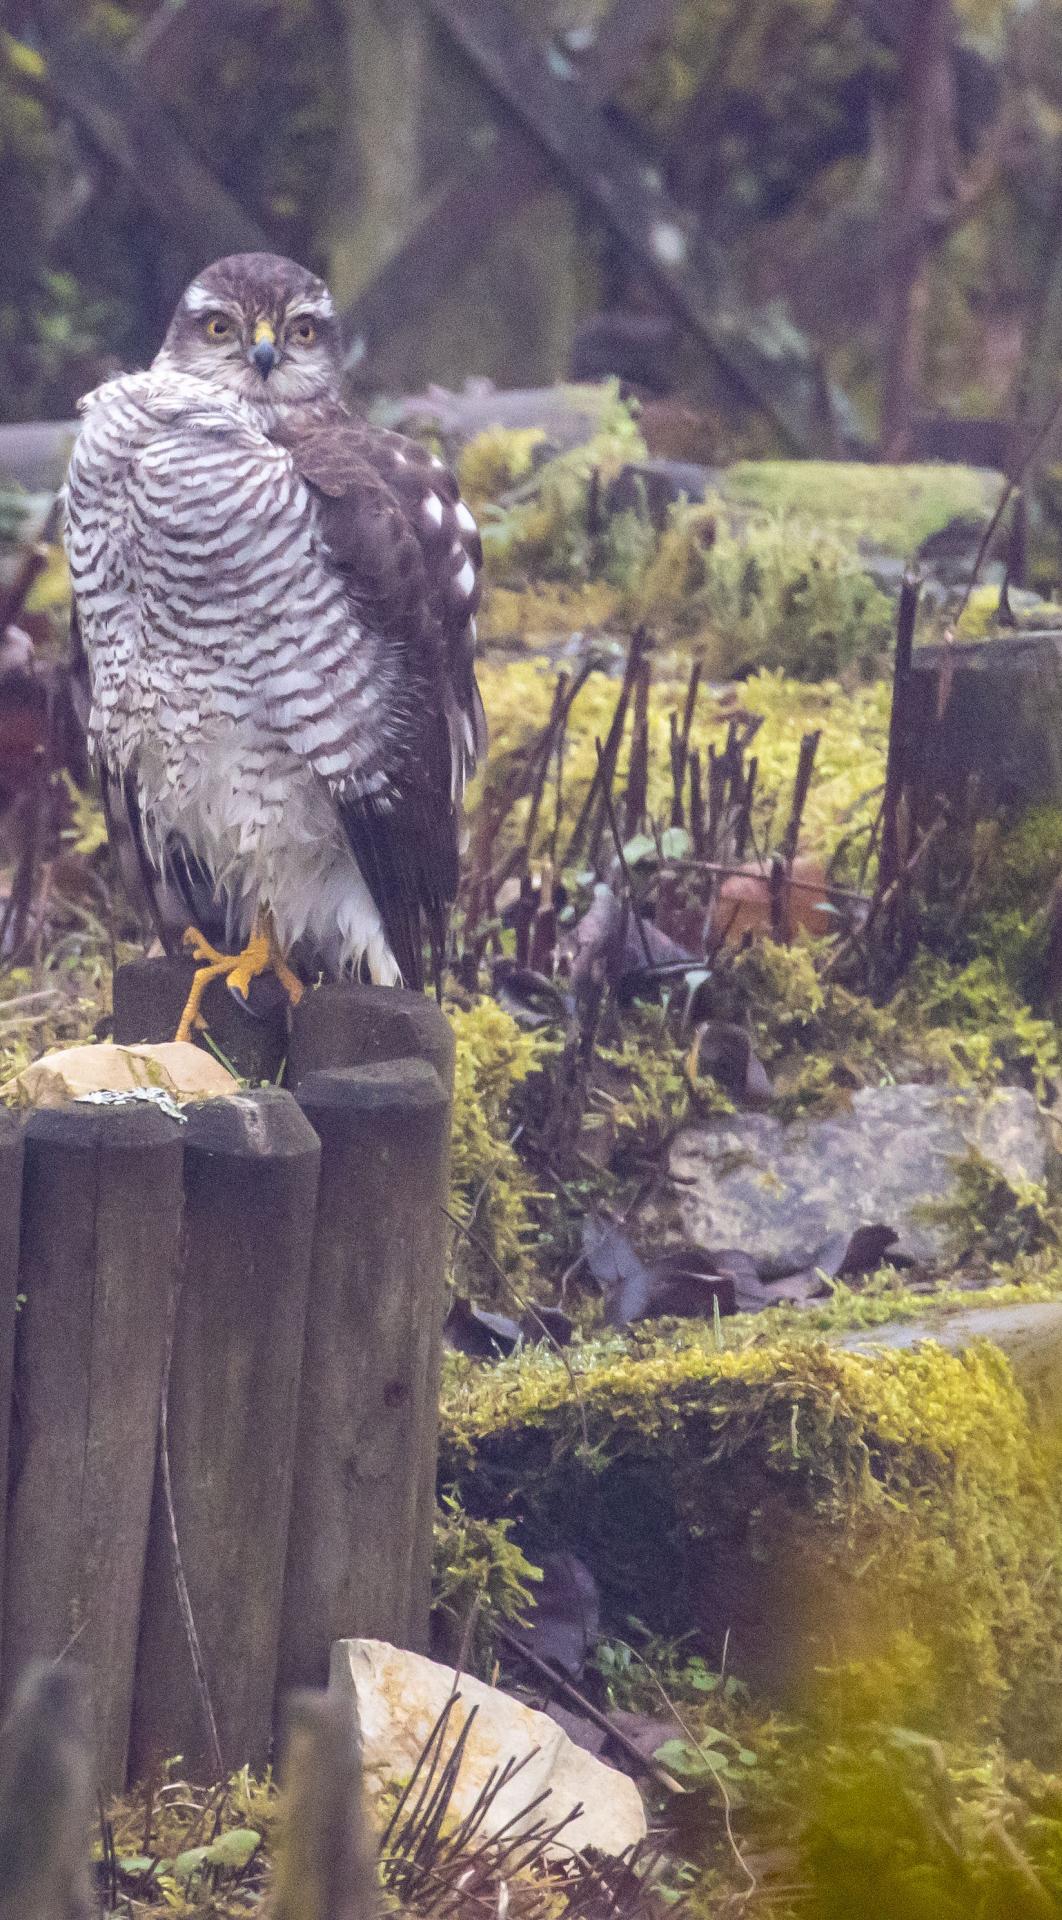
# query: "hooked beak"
[[264, 354]]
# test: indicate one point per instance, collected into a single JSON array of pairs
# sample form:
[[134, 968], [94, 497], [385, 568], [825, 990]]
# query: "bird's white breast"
[[217, 638]]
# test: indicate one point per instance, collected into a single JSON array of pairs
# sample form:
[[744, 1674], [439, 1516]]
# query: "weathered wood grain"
[[251, 1167], [102, 1196], [360, 1538]]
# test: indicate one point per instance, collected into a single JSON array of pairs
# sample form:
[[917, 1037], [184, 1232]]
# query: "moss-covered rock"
[[889, 1514], [892, 509]]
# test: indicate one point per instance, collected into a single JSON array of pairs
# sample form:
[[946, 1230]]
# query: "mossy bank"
[[883, 1522]]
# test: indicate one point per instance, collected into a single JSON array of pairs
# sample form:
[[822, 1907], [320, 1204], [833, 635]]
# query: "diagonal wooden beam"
[[169, 46], [764, 355], [123, 119], [490, 187]]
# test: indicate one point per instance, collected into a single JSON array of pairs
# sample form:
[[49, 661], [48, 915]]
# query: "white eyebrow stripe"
[[198, 298]]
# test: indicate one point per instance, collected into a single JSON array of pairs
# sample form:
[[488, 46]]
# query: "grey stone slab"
[[779, 1191]]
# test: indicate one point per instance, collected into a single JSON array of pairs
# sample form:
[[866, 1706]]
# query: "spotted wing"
[[408, 552]]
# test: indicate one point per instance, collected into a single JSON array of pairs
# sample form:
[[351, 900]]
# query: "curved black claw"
[[265, 997]]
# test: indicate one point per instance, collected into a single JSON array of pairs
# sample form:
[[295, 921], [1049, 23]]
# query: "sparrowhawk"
[[277, 604]]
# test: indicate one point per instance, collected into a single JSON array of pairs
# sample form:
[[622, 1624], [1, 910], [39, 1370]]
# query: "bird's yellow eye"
[[304, 332], [218, 327]]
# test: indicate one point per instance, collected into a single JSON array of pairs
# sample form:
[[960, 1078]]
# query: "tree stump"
[[988, 712], [251, 1168], [101, 1219], [359, 1550]]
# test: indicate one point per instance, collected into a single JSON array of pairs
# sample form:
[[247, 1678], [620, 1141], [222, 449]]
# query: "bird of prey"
[[277, 605]]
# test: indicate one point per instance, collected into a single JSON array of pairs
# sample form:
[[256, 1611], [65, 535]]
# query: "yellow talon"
[[261, 955]]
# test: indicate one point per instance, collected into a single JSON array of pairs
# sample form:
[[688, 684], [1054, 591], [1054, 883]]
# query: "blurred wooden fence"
[[550, 128], [326, 1868], [222, 1374]]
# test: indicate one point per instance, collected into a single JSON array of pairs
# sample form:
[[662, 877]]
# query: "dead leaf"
[[481, 1335], [564, 1617], [684, 1282], [724, 1050]]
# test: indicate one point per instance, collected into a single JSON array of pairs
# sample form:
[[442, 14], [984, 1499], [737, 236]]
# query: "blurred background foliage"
[[333, 124]]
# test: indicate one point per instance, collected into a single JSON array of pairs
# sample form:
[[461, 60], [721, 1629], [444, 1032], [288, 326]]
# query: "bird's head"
[[260, 326]]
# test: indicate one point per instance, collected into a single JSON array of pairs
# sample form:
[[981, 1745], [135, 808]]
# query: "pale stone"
[[174, 1069], [399, 1698], [781, 1191]]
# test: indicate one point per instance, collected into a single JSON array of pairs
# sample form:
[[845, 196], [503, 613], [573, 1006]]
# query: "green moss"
[[880, 1501], [992, 1216], [774, 594], [974, 1015], [480, 1578], [546, 524], [491, 1191], [890, 508], [496, 460]]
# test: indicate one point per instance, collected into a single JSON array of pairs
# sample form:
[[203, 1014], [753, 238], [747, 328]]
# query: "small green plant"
[[481, 1577], [903, 1828], [990, 1215]]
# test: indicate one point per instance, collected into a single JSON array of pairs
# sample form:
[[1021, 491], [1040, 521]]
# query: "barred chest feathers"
[[231, 682]]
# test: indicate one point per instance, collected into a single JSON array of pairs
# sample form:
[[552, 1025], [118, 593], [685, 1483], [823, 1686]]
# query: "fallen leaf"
[[845, 1254], [481, 1335], [616, 1269], [724, 1049], [743, 903], [531, 998], [684, 1281], [646, 1732], [547, 1323], [583, 1732], [564, 1618]]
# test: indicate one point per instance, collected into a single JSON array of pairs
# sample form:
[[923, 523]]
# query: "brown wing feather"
[[394, 525]]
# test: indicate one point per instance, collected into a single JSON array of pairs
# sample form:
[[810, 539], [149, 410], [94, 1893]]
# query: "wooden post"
[[351, 1026], [47, 1795], [251, 1167], [149, 997], [989, 711], [11, 1157], [360, 1540], [101, 1217]]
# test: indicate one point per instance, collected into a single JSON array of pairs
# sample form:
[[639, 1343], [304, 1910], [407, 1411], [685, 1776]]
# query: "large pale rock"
[[399, 1698], [779, 1192], [175, 1069]]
